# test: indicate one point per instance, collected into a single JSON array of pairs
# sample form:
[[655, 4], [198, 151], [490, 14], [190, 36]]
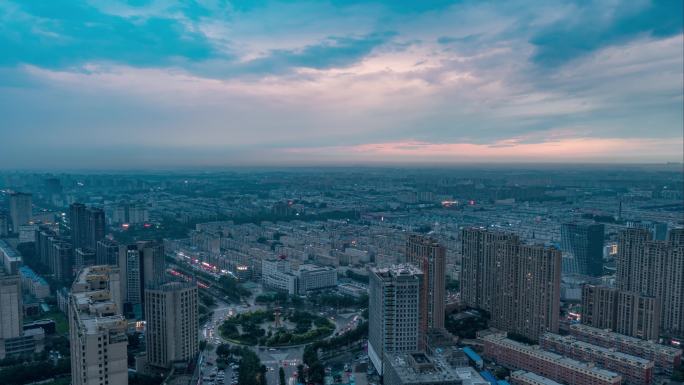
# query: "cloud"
[[595, 25], [67, 34], [333, 52], [262, 77], [570, 150]]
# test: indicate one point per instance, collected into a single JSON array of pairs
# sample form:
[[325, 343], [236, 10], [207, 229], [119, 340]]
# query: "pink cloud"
[[564, 149]]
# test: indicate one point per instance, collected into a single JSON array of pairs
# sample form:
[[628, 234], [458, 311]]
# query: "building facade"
[[599, 306], [21, 209], [584, 242], [518, 284], [666, 358], [519, 356], [429, 256], [97, 329], [634, 370], [172, 328], [655, 269], [394, 312], [142, 264], [107, 252]]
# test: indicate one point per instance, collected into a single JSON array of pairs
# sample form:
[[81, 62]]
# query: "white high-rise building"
[[394, 312], [172, 334], [97, 328]]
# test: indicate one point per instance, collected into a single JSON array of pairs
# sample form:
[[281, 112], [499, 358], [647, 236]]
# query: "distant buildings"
[[87, 226], [394, 312], [584, 243], [429, 256], [518, 284], [313, 277], [83, 257], [129, 213], [658, 229], [78, 224], [61, 260], [277, 274], [95, 227], [97, 329], [107, 252], [172, 327], [4, 225], [34, 283], [20, 209]]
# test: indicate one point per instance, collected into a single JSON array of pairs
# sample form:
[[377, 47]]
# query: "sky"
[[135, 84]]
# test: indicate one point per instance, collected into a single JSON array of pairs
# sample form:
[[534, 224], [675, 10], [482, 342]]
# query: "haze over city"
[[114, 84]]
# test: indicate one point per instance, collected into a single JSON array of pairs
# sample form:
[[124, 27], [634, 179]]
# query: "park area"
[[276, 328]]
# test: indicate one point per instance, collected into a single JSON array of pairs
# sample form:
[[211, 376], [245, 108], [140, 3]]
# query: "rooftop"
[[533, 378], [569, 340], [549, 356], [662, 349]]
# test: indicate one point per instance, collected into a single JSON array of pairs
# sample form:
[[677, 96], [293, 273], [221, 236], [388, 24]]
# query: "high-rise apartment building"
[[87, 226], [20, 209], [518, 284], [14, 340], [638, 315], [584, 243], [429, 256], [625, 312], [107, 252], [142, 264], [654, 269], [62, 260], [658, 229], [4, 224], [78, 224], [11, 312], [97, 329], [172, 326], [394, 312], [671, 284], [43, 243], [95, 227], [599, 306], [83, 257]]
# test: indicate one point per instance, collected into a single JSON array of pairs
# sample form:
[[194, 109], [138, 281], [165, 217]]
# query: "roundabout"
[[276, 327]]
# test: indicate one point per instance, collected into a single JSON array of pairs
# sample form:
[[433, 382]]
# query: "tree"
[[300, 374], [281, 374], [317, 373]]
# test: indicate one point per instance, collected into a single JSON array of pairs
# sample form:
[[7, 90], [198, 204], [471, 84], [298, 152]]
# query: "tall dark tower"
[[78, 224], [584, 241], [95, 227]]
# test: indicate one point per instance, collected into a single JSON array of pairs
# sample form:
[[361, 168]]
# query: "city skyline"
[[151, 84]]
